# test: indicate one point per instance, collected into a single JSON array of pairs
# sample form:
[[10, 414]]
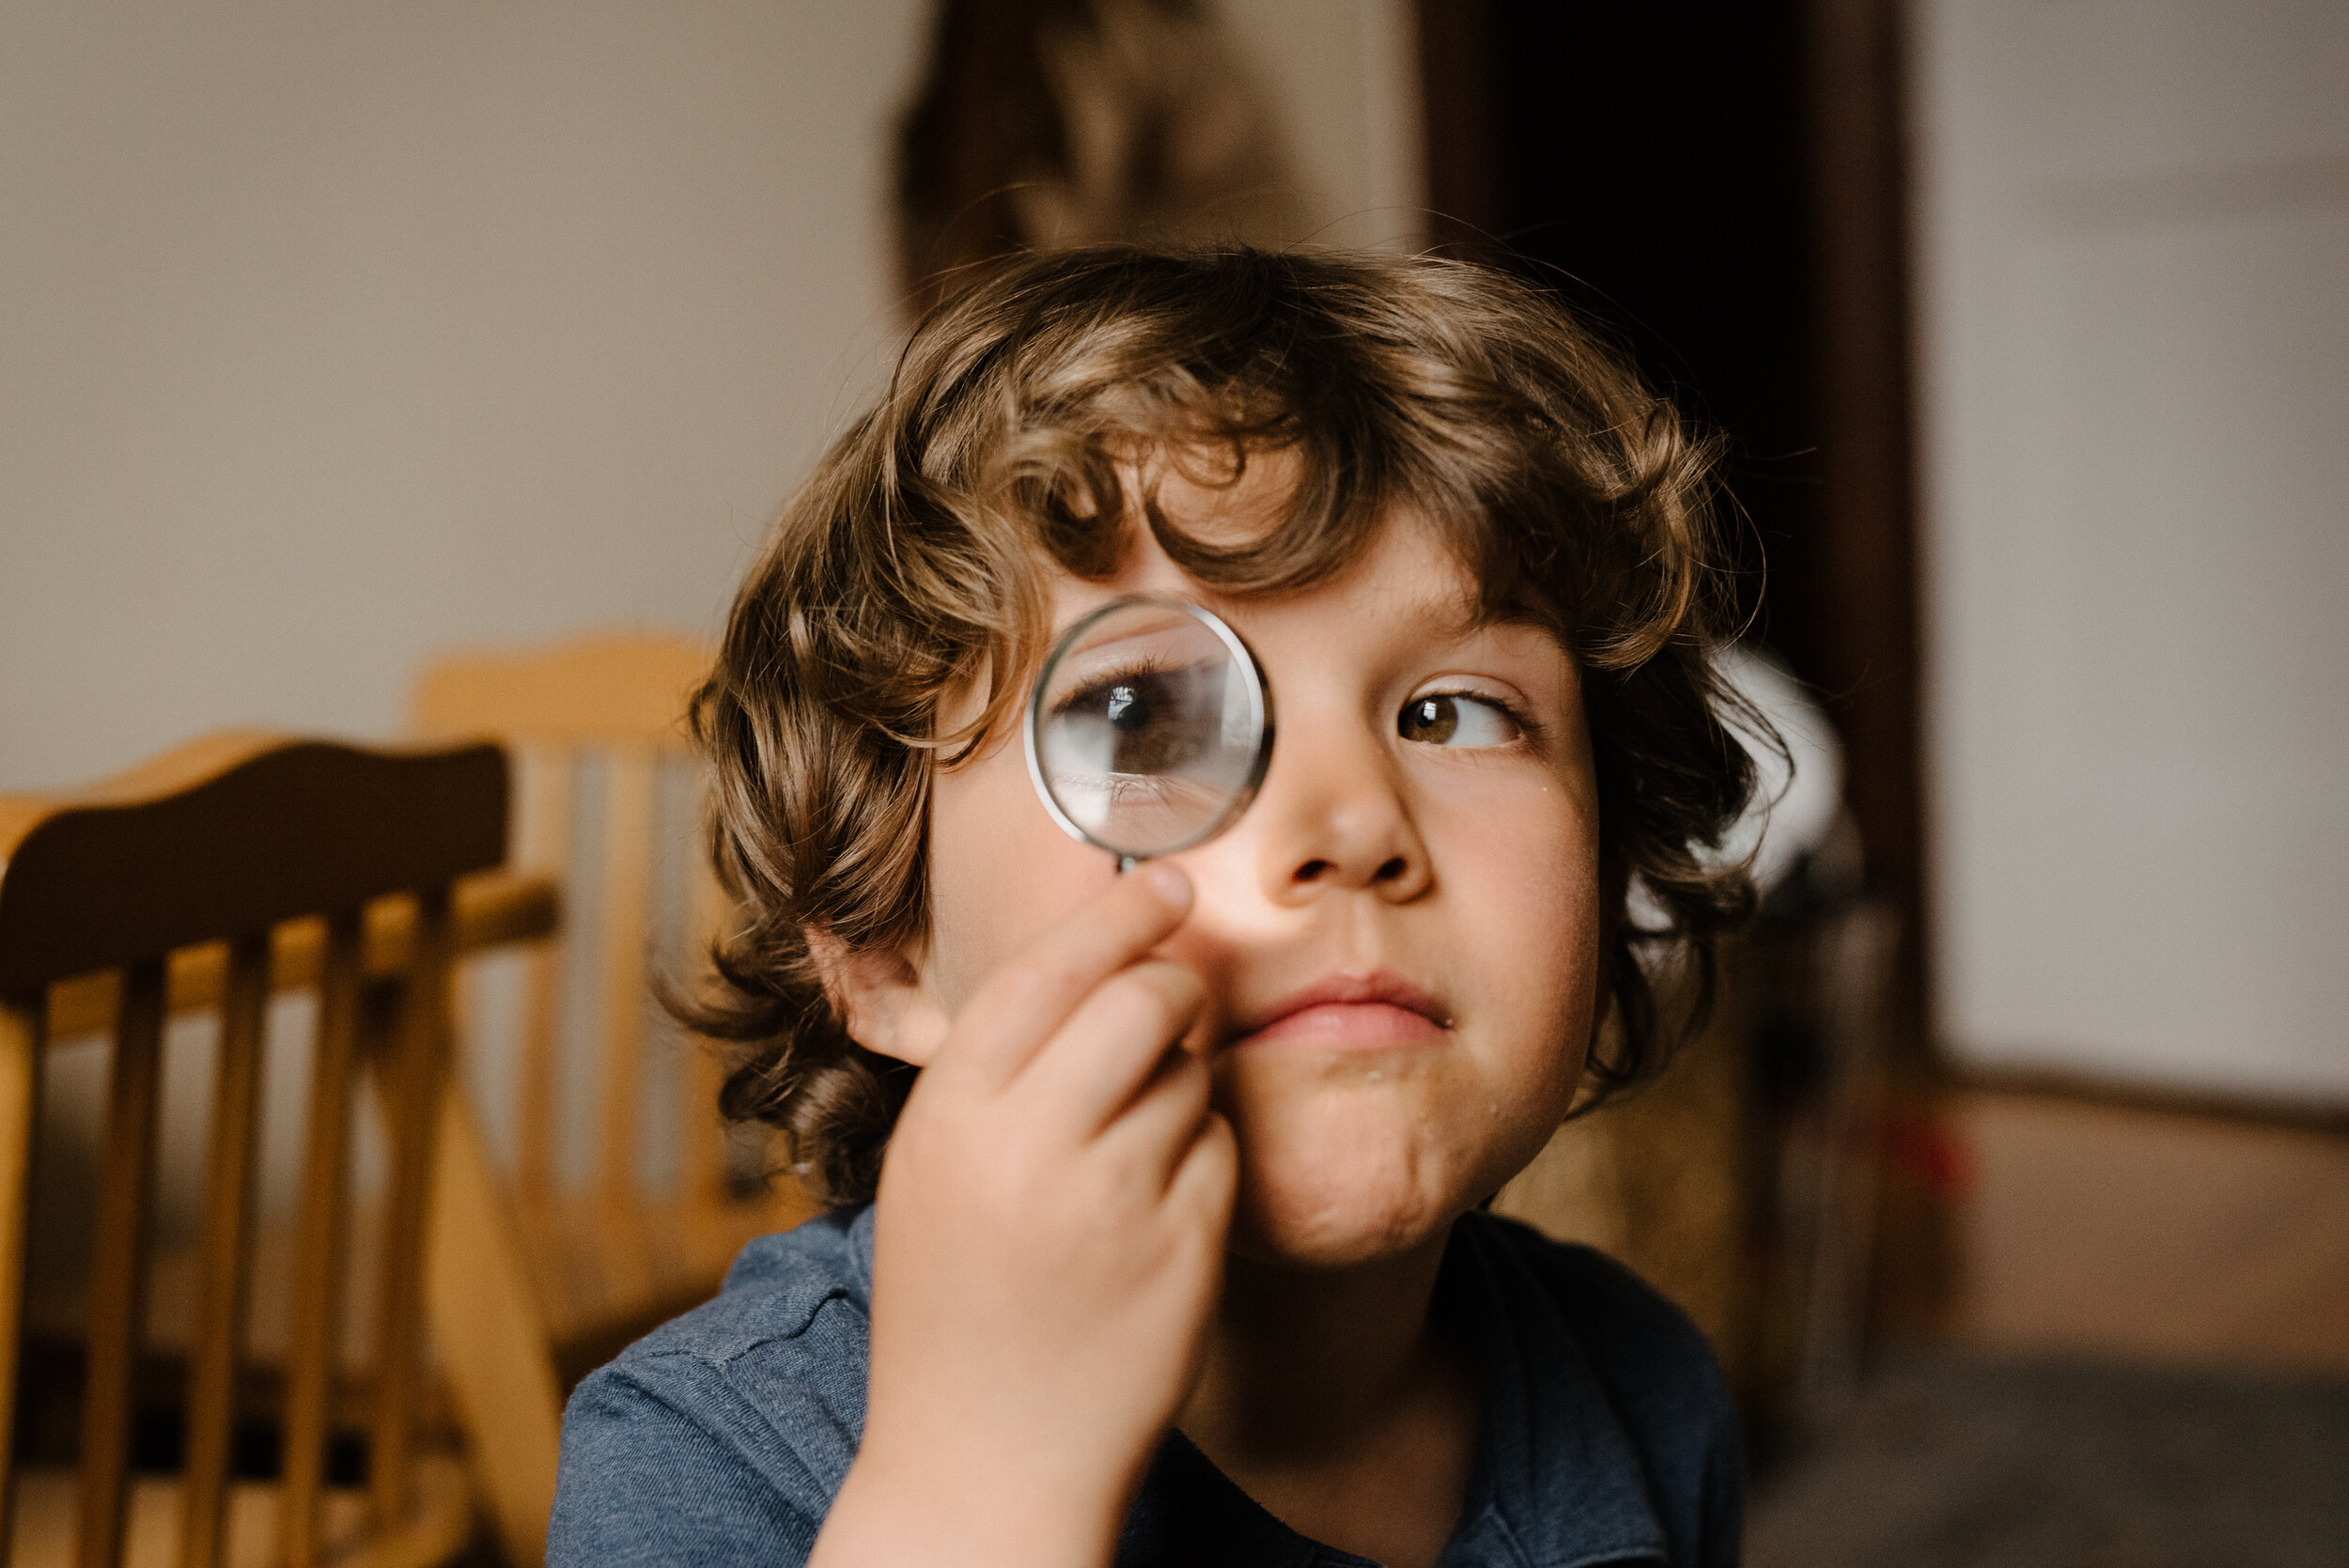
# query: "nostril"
[[1311, 870], [1389, 871]]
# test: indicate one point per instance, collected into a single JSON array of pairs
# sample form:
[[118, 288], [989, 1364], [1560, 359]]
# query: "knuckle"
[[1056, 974], [1129, 1001]]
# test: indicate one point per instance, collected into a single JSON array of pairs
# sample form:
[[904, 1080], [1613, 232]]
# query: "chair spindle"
[[626, 881], [227, 1249], [546, 847], [314, 1336], [23, 1045], [409, 1073], [118, 1264]]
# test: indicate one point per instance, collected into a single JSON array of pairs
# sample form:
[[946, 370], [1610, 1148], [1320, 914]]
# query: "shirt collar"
[[861, 1254], [1556, 1472], [1557, 1482]]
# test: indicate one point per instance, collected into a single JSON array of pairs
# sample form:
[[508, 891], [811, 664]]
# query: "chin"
[[1342, 1188], [1347, 1158], [1272, 1229]]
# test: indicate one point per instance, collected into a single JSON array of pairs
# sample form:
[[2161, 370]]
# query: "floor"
[[1961, 1460], [2153, 1235], [2147, 1365]]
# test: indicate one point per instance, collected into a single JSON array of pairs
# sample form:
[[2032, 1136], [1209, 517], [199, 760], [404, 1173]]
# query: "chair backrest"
[[275, 850], [617, 704]]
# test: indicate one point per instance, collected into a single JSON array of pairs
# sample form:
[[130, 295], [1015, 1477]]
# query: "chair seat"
[[438, 1528]]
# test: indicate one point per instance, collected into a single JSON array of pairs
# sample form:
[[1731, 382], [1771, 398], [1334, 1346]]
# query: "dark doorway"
[[1650, 167], [1721, 183]]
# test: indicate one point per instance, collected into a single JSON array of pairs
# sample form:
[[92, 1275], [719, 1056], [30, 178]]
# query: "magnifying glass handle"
[[1126, 863]]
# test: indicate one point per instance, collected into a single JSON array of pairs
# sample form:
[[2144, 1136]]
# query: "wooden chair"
[[224, 870], [611, 1257]]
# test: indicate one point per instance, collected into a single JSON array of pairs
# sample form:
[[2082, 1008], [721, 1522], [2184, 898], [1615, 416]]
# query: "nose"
[[1334, 817]]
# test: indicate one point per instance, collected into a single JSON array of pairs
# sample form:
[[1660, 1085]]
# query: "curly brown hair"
[[914, 565]]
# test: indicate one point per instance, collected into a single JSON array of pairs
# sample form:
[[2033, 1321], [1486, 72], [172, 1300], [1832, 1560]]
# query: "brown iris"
[[1428, 720]]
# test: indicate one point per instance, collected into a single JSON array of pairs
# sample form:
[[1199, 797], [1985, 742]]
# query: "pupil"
[[1127, 711]]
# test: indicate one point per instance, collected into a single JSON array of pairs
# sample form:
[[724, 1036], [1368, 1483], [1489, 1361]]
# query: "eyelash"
[[1102, 680]]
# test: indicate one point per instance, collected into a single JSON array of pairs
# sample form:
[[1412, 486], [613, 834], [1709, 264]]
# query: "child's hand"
[[1048, 1239]]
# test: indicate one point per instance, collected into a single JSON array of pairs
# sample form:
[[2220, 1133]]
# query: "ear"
[[881, 997]]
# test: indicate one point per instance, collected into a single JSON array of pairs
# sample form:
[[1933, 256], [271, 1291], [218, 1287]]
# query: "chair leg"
[[22, 1048], [491, 1337]]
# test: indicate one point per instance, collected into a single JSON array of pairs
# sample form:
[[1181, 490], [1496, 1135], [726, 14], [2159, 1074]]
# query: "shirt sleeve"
[[644, 1481]]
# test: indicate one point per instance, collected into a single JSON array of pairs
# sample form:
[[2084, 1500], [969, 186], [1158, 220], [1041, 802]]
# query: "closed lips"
[[1376, 1009]]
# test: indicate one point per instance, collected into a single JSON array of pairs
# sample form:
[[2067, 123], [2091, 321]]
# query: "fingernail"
[[1170, 885]]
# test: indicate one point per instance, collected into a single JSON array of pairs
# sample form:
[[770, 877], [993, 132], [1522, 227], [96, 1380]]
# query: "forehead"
[[1406, 571], [1408, 579]]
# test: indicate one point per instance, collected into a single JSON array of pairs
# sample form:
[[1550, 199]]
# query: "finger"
[[1207, 1181], [1096, 1063], [1161, 1122], [1034, 992]]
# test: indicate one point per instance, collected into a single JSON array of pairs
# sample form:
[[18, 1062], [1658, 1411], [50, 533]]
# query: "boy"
[[1176, 1254]]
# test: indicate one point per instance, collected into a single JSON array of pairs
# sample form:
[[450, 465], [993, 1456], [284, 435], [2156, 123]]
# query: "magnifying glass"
[[1150, 729]]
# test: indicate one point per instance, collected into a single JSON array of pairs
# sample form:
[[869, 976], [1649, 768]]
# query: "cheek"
[[1524, 878], [1526, 888], [1001, 871], [1525, 883]]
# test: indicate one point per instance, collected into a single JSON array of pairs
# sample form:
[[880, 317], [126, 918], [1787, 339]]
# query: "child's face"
[[1420, 862]]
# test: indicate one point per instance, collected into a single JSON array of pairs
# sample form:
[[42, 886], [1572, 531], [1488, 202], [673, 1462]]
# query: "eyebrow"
[[1468, 612]]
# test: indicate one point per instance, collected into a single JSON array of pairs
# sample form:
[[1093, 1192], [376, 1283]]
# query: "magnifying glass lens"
[[1149, 728]]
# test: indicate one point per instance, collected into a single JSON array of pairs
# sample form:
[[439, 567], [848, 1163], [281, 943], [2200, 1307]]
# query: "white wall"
[[333, 335], [2135, 289], [330, 335]]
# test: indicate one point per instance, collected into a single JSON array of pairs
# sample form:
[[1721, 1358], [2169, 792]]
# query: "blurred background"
[[2014, 1178]]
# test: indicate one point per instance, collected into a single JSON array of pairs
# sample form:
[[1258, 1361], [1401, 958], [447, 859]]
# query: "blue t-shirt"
[[721, 1437]]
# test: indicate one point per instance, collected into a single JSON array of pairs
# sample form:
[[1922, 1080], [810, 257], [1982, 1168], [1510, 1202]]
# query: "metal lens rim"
[[1259, 702]]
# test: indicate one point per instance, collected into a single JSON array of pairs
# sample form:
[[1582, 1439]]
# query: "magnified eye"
[[1455, 719], [1146, 723]]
